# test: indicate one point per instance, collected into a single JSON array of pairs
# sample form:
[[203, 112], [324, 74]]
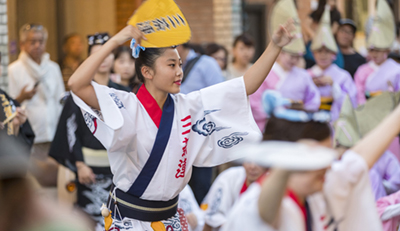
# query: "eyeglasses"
[[29, 27]]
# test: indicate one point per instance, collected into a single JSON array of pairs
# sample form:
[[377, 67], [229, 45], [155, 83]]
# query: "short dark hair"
[[213, 48], [147, 58], [117, 53], [69, 36], [245, 38], [317, 14], [284, 130], [123, 49]]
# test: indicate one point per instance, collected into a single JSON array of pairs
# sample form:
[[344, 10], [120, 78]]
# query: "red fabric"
[[182, 217], [261, 179], [258, 181], [150, 104], [301, 205], [244, 188]]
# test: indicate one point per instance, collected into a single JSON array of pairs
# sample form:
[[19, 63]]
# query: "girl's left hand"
[[282, 36]]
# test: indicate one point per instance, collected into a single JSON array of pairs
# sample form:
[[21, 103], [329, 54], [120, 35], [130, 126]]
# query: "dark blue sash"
[[143, 180]]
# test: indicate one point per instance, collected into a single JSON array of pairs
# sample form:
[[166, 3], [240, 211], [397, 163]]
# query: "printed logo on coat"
[[186, 123], [174, 223], [117, 101], [71, 129], [91, 122], [231, 140], [204, 127], [215, 203]]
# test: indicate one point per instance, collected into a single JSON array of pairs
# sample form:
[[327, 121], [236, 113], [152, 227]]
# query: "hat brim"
[[288, 155]]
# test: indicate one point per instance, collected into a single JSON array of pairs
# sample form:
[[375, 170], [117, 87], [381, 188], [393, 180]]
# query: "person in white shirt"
[[226, 191], [36, 83]]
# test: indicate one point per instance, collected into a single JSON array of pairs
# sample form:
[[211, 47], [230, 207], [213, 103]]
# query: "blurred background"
[[211, 20]]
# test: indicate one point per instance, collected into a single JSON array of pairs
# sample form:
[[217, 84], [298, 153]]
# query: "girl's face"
[[378, 56], [324, 57], [124, 65], [243, 54], [107, 63], [74, 46], [253, 171], [167, 73], [287, 60], [220, 57], [309, 182]]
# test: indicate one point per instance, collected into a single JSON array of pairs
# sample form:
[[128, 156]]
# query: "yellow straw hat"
[[282, 11], [324, 36]]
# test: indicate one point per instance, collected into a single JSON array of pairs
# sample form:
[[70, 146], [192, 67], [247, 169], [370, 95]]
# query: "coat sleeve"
[[220, 198], [109, 121], [345, 176], [66, 147], [221, 123], [359, 80]]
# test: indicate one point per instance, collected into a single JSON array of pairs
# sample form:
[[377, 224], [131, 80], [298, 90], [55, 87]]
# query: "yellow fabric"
[[324, 36], [326, 103], [325, 107], [382, 33], [162, 22], [108, 222], [204, 207], [284, 10], [326, 100], [95, 158], [137, 207], [375, 93], [158, 226]]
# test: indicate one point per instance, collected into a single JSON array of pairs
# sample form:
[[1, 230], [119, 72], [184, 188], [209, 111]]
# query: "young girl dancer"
[[155, 137]]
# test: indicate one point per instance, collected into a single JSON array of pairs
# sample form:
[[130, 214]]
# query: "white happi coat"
[[208, 125], [188, 203], [347, 198], [223, 194]]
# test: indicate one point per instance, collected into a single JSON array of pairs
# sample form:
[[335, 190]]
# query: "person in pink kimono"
[[381, 73], [292, 82], [333, 82]]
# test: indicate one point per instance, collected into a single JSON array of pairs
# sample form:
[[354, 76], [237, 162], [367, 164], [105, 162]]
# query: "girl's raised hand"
[[127, 34], [282, 36]]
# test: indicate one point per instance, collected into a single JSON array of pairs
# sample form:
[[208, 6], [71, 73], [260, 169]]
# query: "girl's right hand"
[[127, 34]]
